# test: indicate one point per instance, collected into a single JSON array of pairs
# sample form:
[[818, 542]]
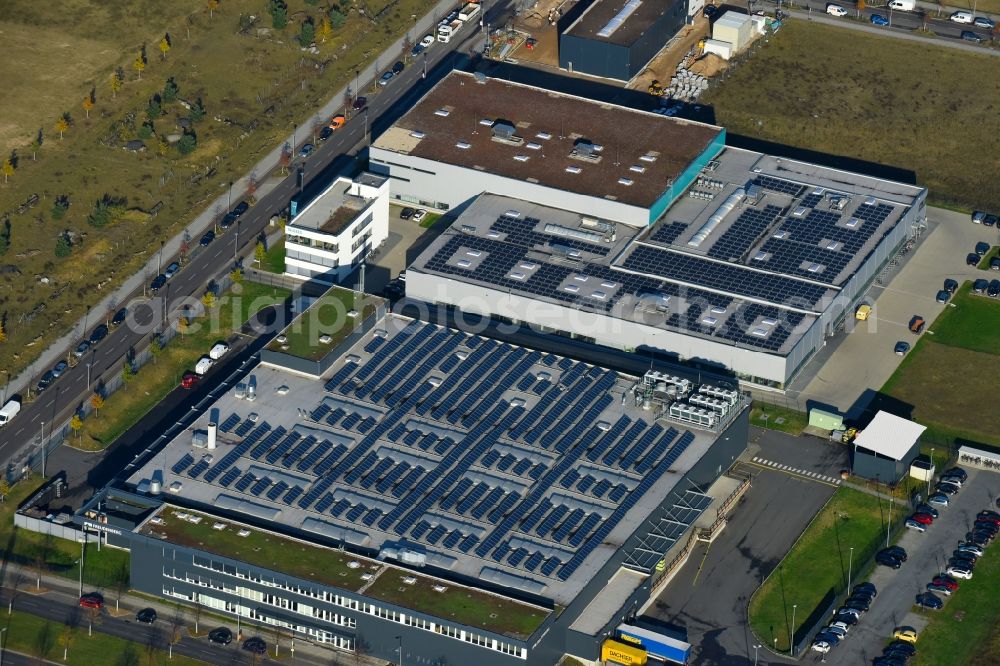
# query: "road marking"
[[798, 473], [701, 564]]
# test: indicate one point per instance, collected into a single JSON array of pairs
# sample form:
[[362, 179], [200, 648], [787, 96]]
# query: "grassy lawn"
[[985, 263], [948, 376], [332, 567], [327, 316], [429, 221], [774, 417], [45, 639], [254, 82], [786, 94], [274, 258], [155, 380], [964, 632], [815, 570]]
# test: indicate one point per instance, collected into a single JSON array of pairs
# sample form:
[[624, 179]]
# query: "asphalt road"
[[928, 554], [910, 21], [69, 391]]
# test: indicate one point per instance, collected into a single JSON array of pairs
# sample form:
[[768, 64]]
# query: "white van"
[[835, 10], [203, 365], [9, 411], [218, 351], [903, 5]]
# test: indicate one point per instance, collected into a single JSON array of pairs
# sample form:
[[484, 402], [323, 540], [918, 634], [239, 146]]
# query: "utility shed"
[[824, 420], [735, 28], [885, 449]]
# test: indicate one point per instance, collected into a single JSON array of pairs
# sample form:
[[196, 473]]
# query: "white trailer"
[[203, 365], [218, 351], [469, 12]]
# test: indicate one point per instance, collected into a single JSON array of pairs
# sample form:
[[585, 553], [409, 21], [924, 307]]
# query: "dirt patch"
[[663, 66], [708, 65]]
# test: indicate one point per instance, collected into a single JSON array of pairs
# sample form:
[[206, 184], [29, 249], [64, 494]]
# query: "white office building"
[[332, 235]]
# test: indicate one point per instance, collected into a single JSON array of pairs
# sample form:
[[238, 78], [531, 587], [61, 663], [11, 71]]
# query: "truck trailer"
[[656, 644]]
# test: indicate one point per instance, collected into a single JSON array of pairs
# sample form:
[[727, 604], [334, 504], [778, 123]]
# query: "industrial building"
[[437, 496], [472, 134], [331, 235], [616, 39], [886, 448]]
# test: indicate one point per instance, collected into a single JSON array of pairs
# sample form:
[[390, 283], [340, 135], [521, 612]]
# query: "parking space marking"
[[805, 474]]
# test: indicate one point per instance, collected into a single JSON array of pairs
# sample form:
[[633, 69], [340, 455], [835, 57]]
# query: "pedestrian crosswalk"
[[800, 472]]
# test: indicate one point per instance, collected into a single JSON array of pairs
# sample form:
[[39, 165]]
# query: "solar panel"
[[488, 502], [276, 490], [229, 423], [452, 539], [292, 495], [182, 464], [231, 475], [355, 512], [199, 467], [296, 453], [245, 482], [259, 487]]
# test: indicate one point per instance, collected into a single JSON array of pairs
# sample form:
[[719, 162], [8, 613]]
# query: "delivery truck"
[[656, 644], [9, 411]]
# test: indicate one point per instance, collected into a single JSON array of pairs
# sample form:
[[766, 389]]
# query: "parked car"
[[92, 600], [929, 600], [835, 10], [947, 581], [943, 296], [901, 348], [878, 19], [839, 632], [953, 479], [939, 589], [255, 645], [241, 208], [917, 324], [860, 603], [207, 239], [982, 248], [938, 499], [58, 369], [972, 259], [969, 36], [45, 381], [887, 560], [386, 77], [964, 555], [337, 121], [995, 264], [824, 637], [928, 509], [709, 11], [922, 518], [81, 349], [980, 286], [957, 471], [146, 616], [977, 216], [359, 103], [986, 514], [419, 215], [429, 40], [398, 67], [845, 618], [189, 380], [897, 551], [983, 22], [157, 283], [901, 646], [905, 633], [98, 334], [228, 220], [406, 213], [991, 221], [172, 270], [993, 290], [947, 488], [961, 17], [821, 646], [958, 571], [221, 636], [325, 133], [306, 150], [865, 588], [951, 286], [914, 525]]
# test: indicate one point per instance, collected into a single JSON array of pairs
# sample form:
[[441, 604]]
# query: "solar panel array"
[[744, 233], [668, 233], [520, 231], [780, 185], [457, 467]]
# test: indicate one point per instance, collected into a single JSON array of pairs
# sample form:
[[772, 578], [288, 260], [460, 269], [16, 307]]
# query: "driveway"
[[708, 597], [928, 552], [862, 358]]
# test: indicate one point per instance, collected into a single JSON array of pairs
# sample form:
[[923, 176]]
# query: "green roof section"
[[343, 570], [327, 322]]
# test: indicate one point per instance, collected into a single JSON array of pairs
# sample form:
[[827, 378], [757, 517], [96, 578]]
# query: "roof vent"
[[852, 223], [503, 132], [800, 211], [488, 122], [534, 146], [515, 214], [762, 256], [521, 158], [464, 263], [572, 288], [573, 169], [870, 201], [625, 181], [444, 113], [587, 151], [464, 145], [544, 136], [648, 157], [516, 275], [637, 168], [417, 134], [709, 321]]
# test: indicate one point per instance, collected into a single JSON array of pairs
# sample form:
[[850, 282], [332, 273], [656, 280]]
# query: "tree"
[[140, 61], [106, 210], [36, 145], [121, 582], [154, 109], [182, 325], [197, 111], [170, 91], [87, 106], [76, 425], [209, 300], [258, 254], [60, 206], [63, 124], [860, 4], [66, 638], [212, 6], [337, 18], [4, 488], [97, 401], [188, 143], [128, 373], [63, 246], [7, 169], [117, 81], [146, 131], [236, 276], [252, 188], [307, 33], [155, 348], [285, 159], [325, 30], [279, 13], [165, 45]]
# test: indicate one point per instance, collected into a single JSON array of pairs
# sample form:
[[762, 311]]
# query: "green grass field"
[[949, 374], [816, 568], [796, 89], [327, 316], [964, 631], [255, 84], [984, 263], [274, 258], [158, 378], [775, 417], [45, 639]]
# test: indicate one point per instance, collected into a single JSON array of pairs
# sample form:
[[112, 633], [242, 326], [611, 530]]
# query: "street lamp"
[[850, 567], [755, 648], [43, 449], [399, 643], [3, 645], [791, 633]]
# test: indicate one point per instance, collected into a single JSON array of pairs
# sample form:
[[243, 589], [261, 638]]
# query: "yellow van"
[[863, 312]]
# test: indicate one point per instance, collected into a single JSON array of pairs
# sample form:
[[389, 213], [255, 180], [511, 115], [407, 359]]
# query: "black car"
[[849, 619], [928, 509], [859, 603], [888, 660], [45, 381], [947, 488], [207, 239], [991, 221], [119, 317], [146, 616], [954, 562], [980, 286], [398, 67], [972, 259], [985, 526], [901, 646], [157, 283], [887, 560], [98, 334], [866, 588], [226, 222], [929, 600], [995, 264], [360, 103], [221, 636], [406, 213], [994, 289], [964, 555], [979, 538], [241, 208], [959, 472], [951, 286], [982, 248], [325, 133], [897, 552], [943, 296], [970, 36], [255, 645]]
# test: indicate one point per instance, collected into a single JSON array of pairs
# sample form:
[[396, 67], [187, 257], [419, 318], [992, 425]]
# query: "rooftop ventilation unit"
[[565, 251], [468, 228], [521, 158], [544, 136], [513, 214], [464, 263], [607, 228], [648, 157], [580, 234], [417, 134], [616, 22], [762, 256], [503, 132], [480, 78], [573, 169], [637, 168], [852, 223], [463, 145], [801, 211], [870, 201], [488, 122], [720, 214], [653, 301], [586, 151], [444, 113], [627, 182], [533, 146]]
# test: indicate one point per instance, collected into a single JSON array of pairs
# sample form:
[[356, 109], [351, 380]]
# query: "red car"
[[947, 581], [922, 518], [91, 601], [189, 380]]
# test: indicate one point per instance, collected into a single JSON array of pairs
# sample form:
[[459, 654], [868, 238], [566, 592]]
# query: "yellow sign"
[[622, 653], [629, 639]]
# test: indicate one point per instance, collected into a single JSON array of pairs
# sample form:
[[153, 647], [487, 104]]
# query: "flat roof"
[[454, 124], [333, 210], [889, 435], [493, 462], [324, 323], [620, 22]]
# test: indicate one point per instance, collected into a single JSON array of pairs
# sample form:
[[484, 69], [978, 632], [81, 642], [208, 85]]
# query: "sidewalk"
[[133, 285]]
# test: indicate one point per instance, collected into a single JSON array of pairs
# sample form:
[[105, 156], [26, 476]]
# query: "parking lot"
[[928, 553], [862, 357]]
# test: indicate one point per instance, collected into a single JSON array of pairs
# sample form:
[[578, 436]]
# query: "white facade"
[[334, 232]]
